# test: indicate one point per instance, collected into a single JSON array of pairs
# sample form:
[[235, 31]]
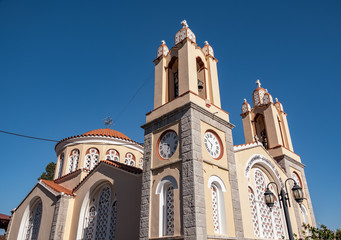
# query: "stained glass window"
[[103, 213], [73, 160], [254, 214], [33, 225], [169, 210], [91, 158], [113, 218]]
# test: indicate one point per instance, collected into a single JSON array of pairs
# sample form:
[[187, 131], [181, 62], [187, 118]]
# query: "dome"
[[258, 95], [162, 50], [106, 132], [184, 33], [279, 105], [246, 107], [267, 97], [208, 50]]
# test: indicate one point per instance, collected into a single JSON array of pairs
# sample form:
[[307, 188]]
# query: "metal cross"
[[108, 122], [258, 83]]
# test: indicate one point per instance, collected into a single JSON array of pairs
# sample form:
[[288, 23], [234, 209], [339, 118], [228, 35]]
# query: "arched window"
[[166, 206], [73, 160], [173, 79], [201, 78], [261, 130], [130, 159], [304, 213], [112, 155], [217, 187], [101, 214], [266, 224], [141, 163], [61, 165], [91, 158], [32, 223]]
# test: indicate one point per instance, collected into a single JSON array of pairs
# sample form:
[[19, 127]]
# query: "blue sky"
[[66, 65]]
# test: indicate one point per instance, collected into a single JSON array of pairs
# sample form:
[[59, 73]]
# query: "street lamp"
[[284, 197]]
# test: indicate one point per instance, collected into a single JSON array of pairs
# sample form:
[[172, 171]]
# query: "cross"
[[163, 42], [108, 122], [258, 83], [256, 138]]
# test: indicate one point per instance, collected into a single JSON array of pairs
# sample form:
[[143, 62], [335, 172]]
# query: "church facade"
[[187, 181]]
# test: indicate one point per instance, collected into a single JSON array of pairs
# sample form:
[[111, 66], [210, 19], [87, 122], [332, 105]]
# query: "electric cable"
[[36, 138]]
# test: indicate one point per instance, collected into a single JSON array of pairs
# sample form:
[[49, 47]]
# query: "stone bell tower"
[[267, 122], [188, 155]]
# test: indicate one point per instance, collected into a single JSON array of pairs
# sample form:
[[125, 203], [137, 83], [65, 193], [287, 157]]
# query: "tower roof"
[[258, 95], [106, 132], [162, 50], [208, 50], [184, 33]]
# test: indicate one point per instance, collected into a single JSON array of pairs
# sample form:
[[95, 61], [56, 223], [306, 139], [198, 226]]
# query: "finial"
[[258, 83], [163, 42], [108, 122], [256, 138], [266, 90], [245, 101], [206, 43], [184, 24], [276, 99]]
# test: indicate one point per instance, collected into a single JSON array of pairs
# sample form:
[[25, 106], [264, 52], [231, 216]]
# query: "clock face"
[[213, 144], [167, 145]]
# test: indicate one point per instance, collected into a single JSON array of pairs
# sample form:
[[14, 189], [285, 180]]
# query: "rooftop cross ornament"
[[184, 24], [256, 138], [163, 42], [258, 83], [108, 122]]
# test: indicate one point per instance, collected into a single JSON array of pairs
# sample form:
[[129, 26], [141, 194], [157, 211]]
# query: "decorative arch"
[[91, 158], [30, 223], [217, 187], [266, 224], [98, 214], [112, 155], [73, 160], [297, 179], [165, 189], [129, 159]]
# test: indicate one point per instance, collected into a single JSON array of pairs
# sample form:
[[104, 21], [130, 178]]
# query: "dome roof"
[[106, 132], [267, 97], [162, 50], [208, 50], [184, 33], [279, 105], [258, 95]]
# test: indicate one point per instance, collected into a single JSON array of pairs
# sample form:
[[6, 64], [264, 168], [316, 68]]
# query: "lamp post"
[[284, 197]]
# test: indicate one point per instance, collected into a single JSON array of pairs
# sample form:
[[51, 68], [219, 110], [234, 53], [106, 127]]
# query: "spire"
[[246, 107], [184, 24], [258, 95], [279, 105], [258, 83]]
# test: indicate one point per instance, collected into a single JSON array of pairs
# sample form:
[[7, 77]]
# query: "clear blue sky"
[[66, 65]]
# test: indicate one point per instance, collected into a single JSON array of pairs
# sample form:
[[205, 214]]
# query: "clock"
[[213, 144], [167, 144]]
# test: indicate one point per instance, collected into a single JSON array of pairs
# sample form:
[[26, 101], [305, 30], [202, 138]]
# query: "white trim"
[[216, 179], [246, 146]]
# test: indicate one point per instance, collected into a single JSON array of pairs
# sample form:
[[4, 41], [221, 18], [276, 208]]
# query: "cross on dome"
[[184, 24], [108, 122], [206, 43], [245, 100], [163, 42], [258, 83], [276, 99]]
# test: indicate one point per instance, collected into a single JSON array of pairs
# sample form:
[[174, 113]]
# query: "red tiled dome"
[[107, 132]]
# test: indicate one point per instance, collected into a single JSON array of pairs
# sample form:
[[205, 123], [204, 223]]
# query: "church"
[[188, 180]]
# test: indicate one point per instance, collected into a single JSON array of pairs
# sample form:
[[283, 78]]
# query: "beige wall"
[[242, 157], [126, 186], [48, 203]]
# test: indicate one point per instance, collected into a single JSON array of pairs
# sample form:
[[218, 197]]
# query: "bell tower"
[[188, 157]]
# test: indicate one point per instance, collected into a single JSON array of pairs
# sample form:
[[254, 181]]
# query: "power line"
[[132, 98], [36, 138]]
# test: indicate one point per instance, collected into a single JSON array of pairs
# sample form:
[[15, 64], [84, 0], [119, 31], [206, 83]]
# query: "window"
[[32, 223], [297, 179], [91, 158], [166, 205], [73, 160], [217, 189], [266, 224], [173, 79], [112, 155], [61, 165], [101, 214], [130, 159]]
